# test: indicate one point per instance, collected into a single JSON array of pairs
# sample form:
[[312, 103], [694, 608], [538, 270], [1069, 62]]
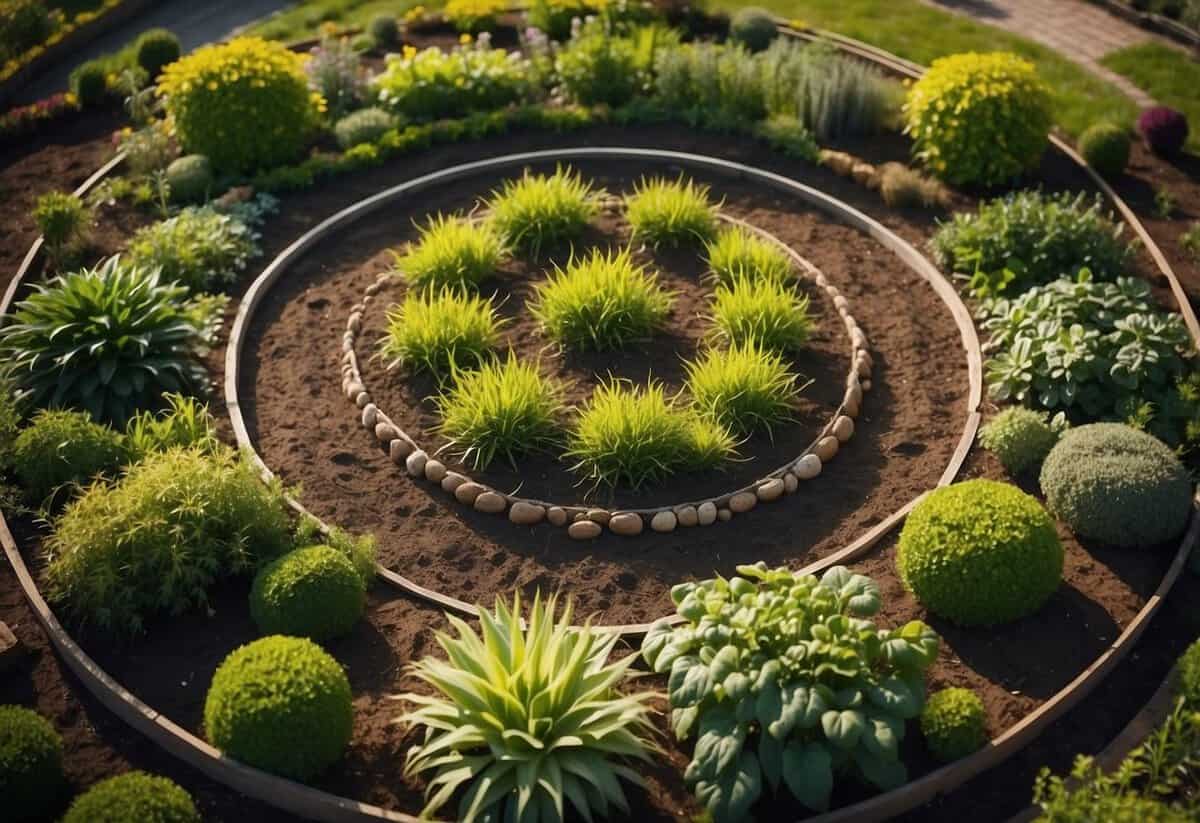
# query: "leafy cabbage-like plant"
[[784, 680], [527, 718]]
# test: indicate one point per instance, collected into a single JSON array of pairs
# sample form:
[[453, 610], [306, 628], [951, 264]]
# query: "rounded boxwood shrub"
[[31, 774], [89, 83], [280, 704], [312, 592], [979, 118], [1105, 147], [1020, 437], [1112, 483], [190, 178], [753, 27], [954, 724], [156, 49], [1188, 669], [244, 104], [134, 796], [384, 30], [1164, 129], [980, 553], [64, 447], [363, 126]]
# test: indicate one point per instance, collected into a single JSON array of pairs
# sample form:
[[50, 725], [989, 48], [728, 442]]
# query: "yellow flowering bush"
[[244, 104], [979, 118], [433, 84], [474, 15]]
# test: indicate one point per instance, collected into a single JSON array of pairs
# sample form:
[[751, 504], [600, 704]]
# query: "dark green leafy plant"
[[31, 767], [1188, 670], [200, 248], [752, 27], [789, 136], [64, 448], [156, 48], [89, 83], [785, 682], [134, 796], [710, 85], [312, 592], [954, 724]]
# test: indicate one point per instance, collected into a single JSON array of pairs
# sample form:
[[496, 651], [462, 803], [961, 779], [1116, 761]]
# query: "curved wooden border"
[[832, 207]]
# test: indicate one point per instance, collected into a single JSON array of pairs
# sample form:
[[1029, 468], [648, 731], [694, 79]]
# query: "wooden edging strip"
[[832, 207]]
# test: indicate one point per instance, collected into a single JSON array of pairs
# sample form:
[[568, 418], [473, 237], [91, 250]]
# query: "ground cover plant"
[[765, 312], [452, 250], [200, 248], [539, 212], [526, 721], [363, 126], [432, 84], [786, 683], [663, 212], [440, 331], [737, 252], [745, 387]]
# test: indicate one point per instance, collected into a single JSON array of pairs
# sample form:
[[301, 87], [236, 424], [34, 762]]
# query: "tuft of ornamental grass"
[[440, 331], [745, 387], [502, 409], [602, 301], [738, 252], [633, 435], [540, 212], [663, 212], [767, 312], [452, 251]]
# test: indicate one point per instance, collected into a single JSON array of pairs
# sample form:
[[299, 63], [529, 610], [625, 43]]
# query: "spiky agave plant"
[[110, 340], [527, 719]]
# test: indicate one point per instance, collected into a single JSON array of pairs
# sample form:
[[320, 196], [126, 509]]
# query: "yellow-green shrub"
[[244, 104], [979, 118]]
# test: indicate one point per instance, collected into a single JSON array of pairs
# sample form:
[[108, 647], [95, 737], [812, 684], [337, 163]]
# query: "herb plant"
[[440, 331], [540, 211], [785, 682], [335, 72], [452, 251], [666, 213], [766, 312], [199, 248]]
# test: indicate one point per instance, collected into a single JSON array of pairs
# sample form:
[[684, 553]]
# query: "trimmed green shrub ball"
[[64, 447], [753, 27], [363, 126], [89, 83], [384, 30], [280, 704], [31, 775], [1020, 437], [1105, 147], [190, 178], [980, 553], [134, 797], [157, 48], [313, 592], [954, 724], [1188, 668], [1112, 483]]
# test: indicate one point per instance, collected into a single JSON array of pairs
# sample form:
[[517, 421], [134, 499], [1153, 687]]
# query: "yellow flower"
[[464, 38]]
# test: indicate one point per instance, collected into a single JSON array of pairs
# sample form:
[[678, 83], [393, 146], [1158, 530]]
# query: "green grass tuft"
[[745, 387], [440, 331], [602, 301], [767, 312], [539, 212], [452, 251], [737, 252], [504, 408], [631, 436], [670, 213]]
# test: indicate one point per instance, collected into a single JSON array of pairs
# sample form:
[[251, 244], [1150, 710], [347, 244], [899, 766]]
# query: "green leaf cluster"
[[786, 682], [31, 765], [954, 724], [312, 592], [199, 248], [64, 448], [745, 387], [1021, 438], [433, 84], [134, 796]]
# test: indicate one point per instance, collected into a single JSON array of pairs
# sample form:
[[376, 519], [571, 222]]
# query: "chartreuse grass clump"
[[980, 553], [541, 212], [31, 767], [631, 436], [313, 592], [602, 301], [452, 251], [954, 724], [739, 253], [785, 681], [527, 720], [767, 312], [1021, 438], [745, 387], [134, 796], [502, 409], [440, 332], [1188, 669], [280, 704], [663, 212]]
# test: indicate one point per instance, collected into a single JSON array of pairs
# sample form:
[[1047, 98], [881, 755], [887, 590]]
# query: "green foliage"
[[109, 340], [602, 301], [1122, 487], [765, 311], [1190, 241], [384, 30], [363, 126], [64, 449], [502, 409], [666, 213], [980, 553], [452, 251], [244, 104], [709, 85], [190, 178], [1188, 672], [1105, 147], [23, 25], [335, 71], [1037, 237], [156, 48], [134, 796], [280, 704], [155, 541], [64, 221], [598, 67], [31, 768], [539, 212], [89, 83], [631, 436], [954, 724], [312, 592], [753, 28], [744, 387], [440, 332], [199, 248], [185, 422], [1020, 437], [433, 84], [785, 681], [554, 16], [979, 118], [738, 252], [789, 136]]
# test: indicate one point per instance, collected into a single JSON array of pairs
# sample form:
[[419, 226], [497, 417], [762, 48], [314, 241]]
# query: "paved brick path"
[[1079, 30]]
